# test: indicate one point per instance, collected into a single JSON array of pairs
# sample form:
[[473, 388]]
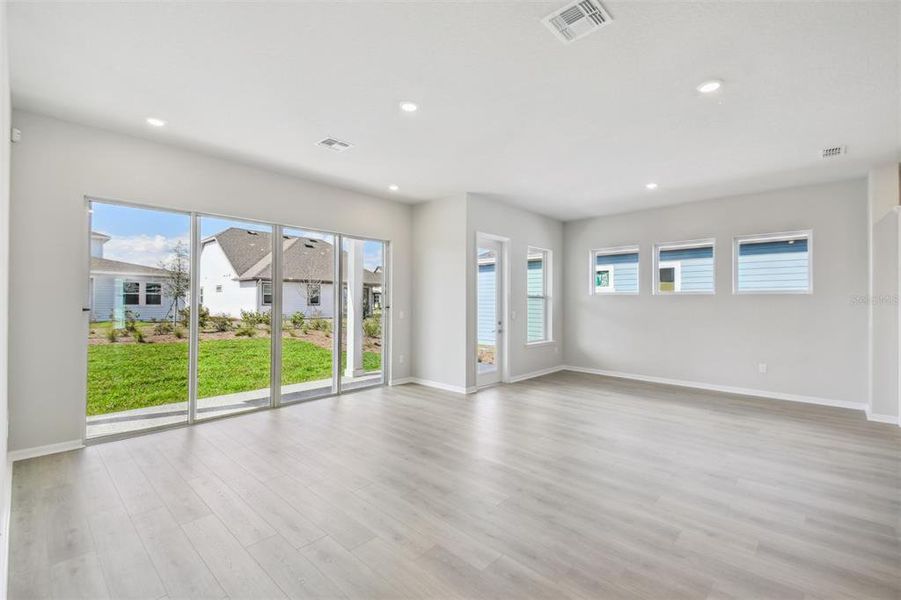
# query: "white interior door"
[[489, 310]]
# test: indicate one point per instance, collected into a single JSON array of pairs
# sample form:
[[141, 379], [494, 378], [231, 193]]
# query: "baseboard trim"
[[26, 453], [728, 389], [877, 418], [7, 516], [401, 381], [539, 373], [440, 386]]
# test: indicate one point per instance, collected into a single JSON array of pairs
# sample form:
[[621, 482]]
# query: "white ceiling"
[[506, 109]]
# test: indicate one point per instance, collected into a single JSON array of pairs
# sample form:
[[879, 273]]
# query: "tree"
[[313, 267], [178, 278]]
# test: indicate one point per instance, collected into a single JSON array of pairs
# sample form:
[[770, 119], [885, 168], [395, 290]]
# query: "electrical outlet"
[[761, 368]]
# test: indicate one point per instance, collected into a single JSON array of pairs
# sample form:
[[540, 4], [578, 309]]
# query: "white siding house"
[[118, 286], [236, 267]]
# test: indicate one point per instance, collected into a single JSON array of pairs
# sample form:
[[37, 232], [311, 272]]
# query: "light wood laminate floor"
[[567, 486]]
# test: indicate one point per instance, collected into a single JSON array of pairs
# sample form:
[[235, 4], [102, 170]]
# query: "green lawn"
[[127, 376]]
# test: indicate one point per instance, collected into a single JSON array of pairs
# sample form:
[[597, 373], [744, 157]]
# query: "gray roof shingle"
[[105, 265]]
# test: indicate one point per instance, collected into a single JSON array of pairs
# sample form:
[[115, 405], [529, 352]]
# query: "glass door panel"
[[363, 294], [308, 310], [488, 295], [235, 296], [137, 337]]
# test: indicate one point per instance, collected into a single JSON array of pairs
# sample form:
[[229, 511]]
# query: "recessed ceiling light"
[[393, 187], [708, 87], [408, 106], [154, 122], [651, 186]]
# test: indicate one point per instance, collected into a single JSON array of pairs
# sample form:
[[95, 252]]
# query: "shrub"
[[372, 325], [163, 328], [297, 320], [246, 331], [320, 324], [203, 316], [253, 318], [131, 321], [221, 323], [180, 332], [139, 336], [112, 335]]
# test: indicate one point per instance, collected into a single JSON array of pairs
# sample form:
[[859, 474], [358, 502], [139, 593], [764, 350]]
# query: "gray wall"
[[522, 229], [4, 287], [439, 292], [814, 345], [56, 164], [885, 317]]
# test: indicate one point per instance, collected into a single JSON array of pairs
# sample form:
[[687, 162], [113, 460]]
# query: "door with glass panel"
[[137, 342], [363, 311], [489, 294], [309, 302], [234, 318]]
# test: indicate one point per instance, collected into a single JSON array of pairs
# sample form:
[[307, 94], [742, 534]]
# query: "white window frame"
[[263, 294], [593, 268], [147, 293], [547, 296], [773, 237], [658, 264], [125, 282]]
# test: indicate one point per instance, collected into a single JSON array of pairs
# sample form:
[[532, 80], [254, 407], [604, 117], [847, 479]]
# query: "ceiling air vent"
[[334, 144], [577, 19], [834, 151]]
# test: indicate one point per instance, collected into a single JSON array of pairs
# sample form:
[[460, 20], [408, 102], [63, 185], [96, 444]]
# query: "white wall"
[[439, 292], [814, 345], [57, 163], [5, 471], [216, 270], [522, 229]]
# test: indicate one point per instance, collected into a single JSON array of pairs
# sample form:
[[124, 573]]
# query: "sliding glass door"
[[137, 340], [362, 308], [234, 318], [308, 309], [196, 316]]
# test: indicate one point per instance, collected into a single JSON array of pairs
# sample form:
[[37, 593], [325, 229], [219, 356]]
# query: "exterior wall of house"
[[294, 299], [107, 299], [222, 293]]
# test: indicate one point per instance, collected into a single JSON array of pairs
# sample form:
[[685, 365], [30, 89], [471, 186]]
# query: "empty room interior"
[[449, 300]]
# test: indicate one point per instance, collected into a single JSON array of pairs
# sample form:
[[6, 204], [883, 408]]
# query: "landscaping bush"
[[246, 330], [252, 318], [372, 325], [139, 336], [112, 335], [180, 332], [320, 324], [220, 323], [131, 321], [297, 320], [163, 328], [203, 316]]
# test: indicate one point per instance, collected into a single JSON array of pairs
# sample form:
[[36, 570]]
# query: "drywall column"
[[354, 323], [885, 342]]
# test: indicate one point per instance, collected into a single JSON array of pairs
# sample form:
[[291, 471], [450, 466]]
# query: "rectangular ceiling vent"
[[577, 19], [834, 151], [334, 144]]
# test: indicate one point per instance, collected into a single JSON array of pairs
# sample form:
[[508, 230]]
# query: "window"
[[774, 264], [153, 294], [538, 301], [267, 293], [131, 293], [684, 268], [615, 271], [313, 292]]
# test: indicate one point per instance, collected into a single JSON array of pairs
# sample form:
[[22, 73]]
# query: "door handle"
[[83, 309]]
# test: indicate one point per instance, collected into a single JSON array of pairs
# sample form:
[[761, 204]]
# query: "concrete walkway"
[[217, 406]]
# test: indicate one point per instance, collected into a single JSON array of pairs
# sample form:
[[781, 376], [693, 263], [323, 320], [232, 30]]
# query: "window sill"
[[540, 344]]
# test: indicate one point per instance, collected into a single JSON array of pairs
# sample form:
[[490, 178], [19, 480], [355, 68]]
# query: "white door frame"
[[502, 291]]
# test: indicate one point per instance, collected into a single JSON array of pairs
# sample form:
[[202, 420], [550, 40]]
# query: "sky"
[[148, 237]]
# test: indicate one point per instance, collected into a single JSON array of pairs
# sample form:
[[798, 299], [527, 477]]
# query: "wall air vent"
[[834, 151], [577, 19], [334, 144]]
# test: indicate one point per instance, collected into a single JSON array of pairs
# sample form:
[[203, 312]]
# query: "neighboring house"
[[236, 275], [118, 286]]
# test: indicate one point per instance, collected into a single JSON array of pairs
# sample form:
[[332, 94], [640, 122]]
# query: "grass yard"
[[128, 376]]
